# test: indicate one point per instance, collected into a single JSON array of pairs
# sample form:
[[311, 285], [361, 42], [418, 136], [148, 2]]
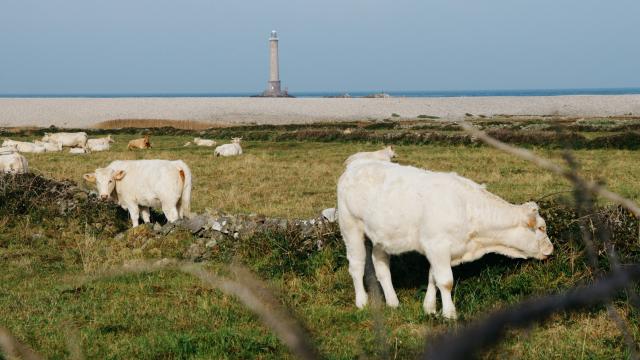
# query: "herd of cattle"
[[446, 217]]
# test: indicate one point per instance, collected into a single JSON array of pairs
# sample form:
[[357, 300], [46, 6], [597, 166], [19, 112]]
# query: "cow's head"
[[236, 140], [105, 180], [147, 143], [46, 137], [109, 139], [530, 236], [389, 150]]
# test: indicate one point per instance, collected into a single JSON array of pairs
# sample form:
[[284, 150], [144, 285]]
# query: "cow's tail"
[[184, 204]]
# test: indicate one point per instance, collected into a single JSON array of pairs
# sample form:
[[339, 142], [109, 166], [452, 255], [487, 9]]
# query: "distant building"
[[273, 86]]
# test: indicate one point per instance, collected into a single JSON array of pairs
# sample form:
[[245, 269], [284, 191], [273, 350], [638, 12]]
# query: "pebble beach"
[[89, 112]]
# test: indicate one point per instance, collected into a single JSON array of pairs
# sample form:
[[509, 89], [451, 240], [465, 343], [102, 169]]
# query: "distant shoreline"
[[87, 112], [353, 93]]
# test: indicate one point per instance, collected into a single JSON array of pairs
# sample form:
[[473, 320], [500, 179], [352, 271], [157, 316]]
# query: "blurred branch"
[[553, 167], [13, 349], [465, 343], [251, 292]]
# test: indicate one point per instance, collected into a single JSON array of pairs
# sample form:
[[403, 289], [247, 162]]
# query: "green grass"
[[172, 315]]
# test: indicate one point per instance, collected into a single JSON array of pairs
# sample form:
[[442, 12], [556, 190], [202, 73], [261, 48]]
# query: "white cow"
[[8, 149], [49, 146], [23, 146], [96, 147], [385, 154], [13, 163], [67, 139], [100, 144], [77, 150], [447, 218], [137, 185], [229, 149], [203, 142]]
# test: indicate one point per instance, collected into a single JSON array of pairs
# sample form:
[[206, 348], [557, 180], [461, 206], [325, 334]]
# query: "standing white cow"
[[447, 218], [78, 139], [385, 154], [229, 149], [137, 185], [49, 146], [13, 163]]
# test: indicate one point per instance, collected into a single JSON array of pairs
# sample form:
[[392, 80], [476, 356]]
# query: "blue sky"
[[198, 46]]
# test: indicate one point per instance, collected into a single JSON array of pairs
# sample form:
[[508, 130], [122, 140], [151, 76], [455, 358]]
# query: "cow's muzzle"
[[104, 197]]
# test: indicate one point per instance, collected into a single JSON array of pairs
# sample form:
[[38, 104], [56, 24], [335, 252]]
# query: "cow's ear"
[[532, 221], [90, 177], [119, 175]]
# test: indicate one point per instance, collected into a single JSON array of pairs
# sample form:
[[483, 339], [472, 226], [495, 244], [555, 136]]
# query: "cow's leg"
[[170, 212], [353, 236], [381, 264], [134, 213], [430, 298], [146, 215], [440, 259]]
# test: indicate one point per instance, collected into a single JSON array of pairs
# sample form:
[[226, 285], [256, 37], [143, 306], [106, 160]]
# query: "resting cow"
[[385, 154], [137, 185], [204, 142], [100, 144], [229, 149], [13, 163], [78, 139], [447, 218], [49, 146], [23, 146], [143, 143]]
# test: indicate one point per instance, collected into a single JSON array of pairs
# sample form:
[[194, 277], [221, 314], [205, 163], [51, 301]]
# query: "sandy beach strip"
[[86, 112]]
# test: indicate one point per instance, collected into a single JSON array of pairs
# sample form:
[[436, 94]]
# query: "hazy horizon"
[[192, 47]]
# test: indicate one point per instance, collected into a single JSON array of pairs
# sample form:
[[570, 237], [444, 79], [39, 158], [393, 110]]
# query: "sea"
[[316, 94]]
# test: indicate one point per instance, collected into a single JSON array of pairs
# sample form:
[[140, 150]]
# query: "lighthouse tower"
[[273, 87]]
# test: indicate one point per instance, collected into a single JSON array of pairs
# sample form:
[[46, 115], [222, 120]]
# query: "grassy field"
[[172, 315]]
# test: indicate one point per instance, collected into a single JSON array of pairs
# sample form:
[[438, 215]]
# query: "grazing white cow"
[[100, 144], [137, 185], [13, 163], [76, 150], [204, 142], [229, 149], [447, 218], [67, 139], [49, 146], [23, 146], [385, 154]]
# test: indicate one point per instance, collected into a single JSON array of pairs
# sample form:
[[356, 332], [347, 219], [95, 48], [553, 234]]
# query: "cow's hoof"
[[394, 303], [361, 301], [450, 315], [430, 309]]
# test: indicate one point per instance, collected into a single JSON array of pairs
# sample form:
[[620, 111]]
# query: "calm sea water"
[[400, 93]]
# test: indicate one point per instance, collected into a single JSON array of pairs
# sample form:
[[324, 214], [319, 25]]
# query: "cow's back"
[[399, 204]]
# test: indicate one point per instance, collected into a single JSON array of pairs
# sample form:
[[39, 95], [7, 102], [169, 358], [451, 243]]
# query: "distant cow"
[[79, 151], [13, 163], [142, 143], [23, 146], [100, 144], [78, 139], [448, 218], [385, 154], [137, 185], [49, 146], [203, 142], [229, 149]]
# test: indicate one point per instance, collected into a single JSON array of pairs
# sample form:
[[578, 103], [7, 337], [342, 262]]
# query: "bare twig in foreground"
[[553, 167], [467, 342], [13, 349], [251, 292]]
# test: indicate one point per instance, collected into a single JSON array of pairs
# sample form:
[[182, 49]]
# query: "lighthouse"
[[273, 86]]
